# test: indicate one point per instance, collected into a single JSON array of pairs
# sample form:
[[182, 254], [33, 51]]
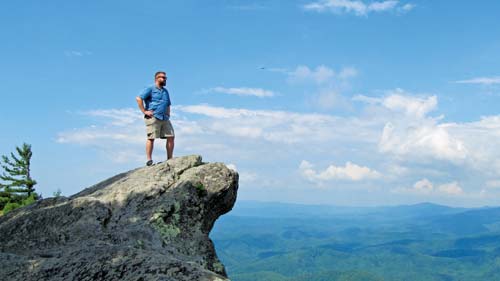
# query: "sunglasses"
[[164, 77]]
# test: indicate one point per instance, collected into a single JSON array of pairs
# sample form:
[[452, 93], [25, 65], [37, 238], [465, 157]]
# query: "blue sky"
[[313, 101]]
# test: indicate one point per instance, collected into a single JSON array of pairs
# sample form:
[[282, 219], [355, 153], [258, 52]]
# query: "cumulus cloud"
[[413, 106], [423, 186], [409, 131], [356, 7], [350, 171], [396, 133], [257, 92], [481, 80], [426, 140]]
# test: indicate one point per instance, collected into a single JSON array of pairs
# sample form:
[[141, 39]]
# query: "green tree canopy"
[[17, 184]]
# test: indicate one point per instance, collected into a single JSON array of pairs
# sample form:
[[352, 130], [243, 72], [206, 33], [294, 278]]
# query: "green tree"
[[17, 184]]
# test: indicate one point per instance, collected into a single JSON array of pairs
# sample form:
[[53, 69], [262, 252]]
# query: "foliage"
[[355, 246], [57, 193], [200, 188], [10, 206], [17, 188]]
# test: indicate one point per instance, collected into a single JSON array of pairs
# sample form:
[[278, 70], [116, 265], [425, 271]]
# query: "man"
[[155, 103]]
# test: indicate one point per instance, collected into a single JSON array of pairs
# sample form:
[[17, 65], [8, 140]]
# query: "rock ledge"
[[150, 223]]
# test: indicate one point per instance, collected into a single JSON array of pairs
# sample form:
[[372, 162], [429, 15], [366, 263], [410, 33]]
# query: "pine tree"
[[17, 182]]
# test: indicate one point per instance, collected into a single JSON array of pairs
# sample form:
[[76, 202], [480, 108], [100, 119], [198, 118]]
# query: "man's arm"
[[168, 111], [140, 103]]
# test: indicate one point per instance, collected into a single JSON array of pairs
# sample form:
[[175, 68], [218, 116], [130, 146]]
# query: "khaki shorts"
[[158, 129]]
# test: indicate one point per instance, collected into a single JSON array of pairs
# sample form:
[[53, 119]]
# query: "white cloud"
[[408, 131], [217, 131], [232, 167], [398, 100], [244, 176], [422, 141], [320, 75], [403, 141], [426, 187], [423, 186], [481, 80], [116, 117], [257, 92], [277, 126], [451, 188], [331, 85], [327, 99], [248, 177], [350, 172], [478, 137], [366, 99], [216, 112], [407, 7], [358, 8], [382, 6], [348, 72]]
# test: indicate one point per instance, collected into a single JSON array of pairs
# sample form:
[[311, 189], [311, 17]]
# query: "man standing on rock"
[[155, 103]]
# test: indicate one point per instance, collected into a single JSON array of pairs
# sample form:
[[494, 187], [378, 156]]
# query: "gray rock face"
[[151, 223]]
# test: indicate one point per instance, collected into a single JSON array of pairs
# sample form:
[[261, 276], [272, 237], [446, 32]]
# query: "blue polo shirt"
[[156, 100]]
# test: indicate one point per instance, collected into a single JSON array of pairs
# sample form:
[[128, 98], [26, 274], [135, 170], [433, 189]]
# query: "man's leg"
[[149, 148], [170, 147]]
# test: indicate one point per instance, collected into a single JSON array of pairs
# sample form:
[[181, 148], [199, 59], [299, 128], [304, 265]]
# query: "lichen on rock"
[[150, 223]]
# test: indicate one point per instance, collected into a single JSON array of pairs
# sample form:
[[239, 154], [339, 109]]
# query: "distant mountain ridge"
[[269, 241], [279, 209]]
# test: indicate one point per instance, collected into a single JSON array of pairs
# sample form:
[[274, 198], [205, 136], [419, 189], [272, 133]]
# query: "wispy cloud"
[[349, 171], [271, 125], [321, 74], [330, 85], [399, 100], [481, 80], [407, 7], [426, 187], [358, 8], [116, 117], [396, 134], [75, 53], [243, 91]]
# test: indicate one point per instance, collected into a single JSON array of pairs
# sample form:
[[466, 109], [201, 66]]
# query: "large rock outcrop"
[[151, 223]]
